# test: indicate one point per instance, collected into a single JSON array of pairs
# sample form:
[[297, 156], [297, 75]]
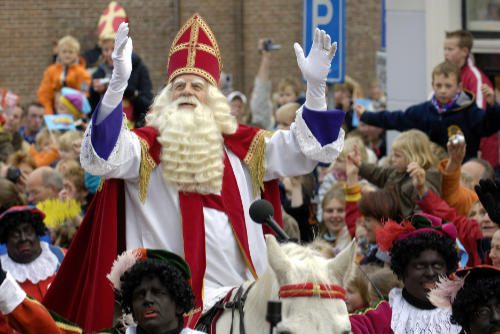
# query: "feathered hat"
[[195, 51], [129, 258], [416, 224], [110, 20], [447, 288]]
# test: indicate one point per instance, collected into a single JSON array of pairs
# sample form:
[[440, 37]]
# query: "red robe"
[[82, 294]]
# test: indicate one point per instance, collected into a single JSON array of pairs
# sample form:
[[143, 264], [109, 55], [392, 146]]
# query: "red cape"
[[81, 292]]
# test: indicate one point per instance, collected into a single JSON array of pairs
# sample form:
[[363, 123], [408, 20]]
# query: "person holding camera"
[[262, 106]]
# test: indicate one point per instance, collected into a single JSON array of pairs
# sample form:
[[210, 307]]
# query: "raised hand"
[[122, 68], [315, 68], [122, 59], [417, 175], [352, 164], [456, 152], [488, 93], [488, 191]]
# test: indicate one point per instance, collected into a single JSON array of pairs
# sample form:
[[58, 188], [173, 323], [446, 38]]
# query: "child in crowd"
[[333, 226], [69, 145], [74, 103], [44, 151], [67, 72], [73, 184], [289, 90], [410, 150], [450, 111], [377, 96], [357, 298], [382, 281]]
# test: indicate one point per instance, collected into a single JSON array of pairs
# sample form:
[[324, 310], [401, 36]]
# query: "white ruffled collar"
[[41, 268], [408, 319]]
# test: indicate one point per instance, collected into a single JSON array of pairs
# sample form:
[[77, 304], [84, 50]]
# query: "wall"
[[29, 28]]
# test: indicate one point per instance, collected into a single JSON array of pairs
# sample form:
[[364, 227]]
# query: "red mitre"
[[195, 51], [110, 20]]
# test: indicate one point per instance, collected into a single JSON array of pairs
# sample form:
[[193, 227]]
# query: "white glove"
[[122, 68], [315, 68]]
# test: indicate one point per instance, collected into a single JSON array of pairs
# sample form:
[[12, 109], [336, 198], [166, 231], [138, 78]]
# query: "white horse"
[[309, 287]]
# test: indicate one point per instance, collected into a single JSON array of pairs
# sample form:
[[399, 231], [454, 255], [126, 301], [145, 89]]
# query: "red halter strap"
[[310, 289]]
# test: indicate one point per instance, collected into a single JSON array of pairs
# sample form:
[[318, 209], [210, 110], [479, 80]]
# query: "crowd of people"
[[168, 180]]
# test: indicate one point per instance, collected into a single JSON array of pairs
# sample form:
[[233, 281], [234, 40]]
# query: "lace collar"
[[409, 319], [38, 270]]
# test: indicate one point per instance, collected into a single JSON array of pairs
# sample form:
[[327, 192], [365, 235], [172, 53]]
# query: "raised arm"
[[391, 120], [261, 105], [316, 134], [109, 149]]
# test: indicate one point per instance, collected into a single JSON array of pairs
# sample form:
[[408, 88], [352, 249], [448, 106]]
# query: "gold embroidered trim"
[[67, 327], [101, 184], [202, 47], [255, 160], [248, 262], [146, 167], [193, 70], [193, 39]]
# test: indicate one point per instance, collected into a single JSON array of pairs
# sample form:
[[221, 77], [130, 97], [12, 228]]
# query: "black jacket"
[[139, 89]]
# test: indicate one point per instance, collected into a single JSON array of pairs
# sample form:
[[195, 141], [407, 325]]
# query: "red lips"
[[150, 313]]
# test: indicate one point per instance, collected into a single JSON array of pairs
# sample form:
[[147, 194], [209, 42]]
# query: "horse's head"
[[310, 288]]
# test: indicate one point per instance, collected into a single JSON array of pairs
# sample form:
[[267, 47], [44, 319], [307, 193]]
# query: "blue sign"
[[62, 122], [327, 15]]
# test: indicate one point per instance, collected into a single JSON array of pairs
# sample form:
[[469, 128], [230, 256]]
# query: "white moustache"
[[187, 99]]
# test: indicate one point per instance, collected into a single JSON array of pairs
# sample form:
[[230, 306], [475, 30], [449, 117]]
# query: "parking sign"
[[327, 15]]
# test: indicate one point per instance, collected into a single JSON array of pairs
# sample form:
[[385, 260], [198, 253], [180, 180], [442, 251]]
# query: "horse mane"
[[308, 263]]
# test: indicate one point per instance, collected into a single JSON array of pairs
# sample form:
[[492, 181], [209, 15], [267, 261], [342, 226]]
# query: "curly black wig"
[[404, 250], [474, 294], [170, 277], [15, 218]]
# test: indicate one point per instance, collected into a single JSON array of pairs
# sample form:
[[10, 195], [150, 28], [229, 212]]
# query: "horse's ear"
[[341, 267], [277, 259]]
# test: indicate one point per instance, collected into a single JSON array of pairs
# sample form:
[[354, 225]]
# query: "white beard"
[[192, 154]]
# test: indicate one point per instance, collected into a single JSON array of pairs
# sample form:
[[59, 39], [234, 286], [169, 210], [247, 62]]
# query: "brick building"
[[29, 28]]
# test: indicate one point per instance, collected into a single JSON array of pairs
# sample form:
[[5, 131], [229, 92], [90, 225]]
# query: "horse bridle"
[[307, 289], [310, 289], [238, 303]]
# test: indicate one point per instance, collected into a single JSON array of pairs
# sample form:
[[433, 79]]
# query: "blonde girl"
[[410, 150], [333, 228]]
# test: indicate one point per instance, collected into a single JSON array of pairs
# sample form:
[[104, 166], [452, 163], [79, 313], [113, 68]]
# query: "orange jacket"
[[77, 77], [453, 193], [43, 158]]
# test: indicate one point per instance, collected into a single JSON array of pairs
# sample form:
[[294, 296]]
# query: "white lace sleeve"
[[11, 295], [310, 146], [124, 160]]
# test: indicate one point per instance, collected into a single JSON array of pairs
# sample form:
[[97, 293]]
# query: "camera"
[[270, 46], [458, 139], [13, 174]]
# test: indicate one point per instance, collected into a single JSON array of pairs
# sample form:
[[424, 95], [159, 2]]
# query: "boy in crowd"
[[450, 111]]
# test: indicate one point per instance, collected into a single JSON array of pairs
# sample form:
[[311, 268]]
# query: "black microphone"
[[261, 211], [273, 315]]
